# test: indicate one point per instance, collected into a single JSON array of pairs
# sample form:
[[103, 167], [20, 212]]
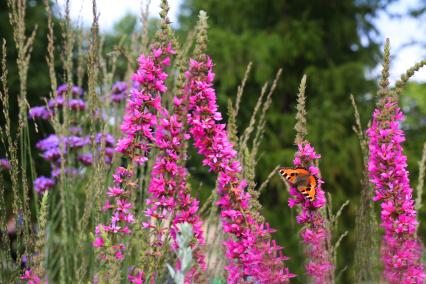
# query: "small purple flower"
[[75, 90], [39, 112], [76, 141], [119, 92], [315, 234], [109, 139], [4, 164], [77, 104], [42, 184], [52, 141], [85, 159], [55, 102], [73, 172], [52, 154]]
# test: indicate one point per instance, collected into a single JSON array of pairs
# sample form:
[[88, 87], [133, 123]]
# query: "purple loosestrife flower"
[[315, 234], [30, 278], [136, 279], [138, 133], [252, 256], [401, 250], [170, 195]]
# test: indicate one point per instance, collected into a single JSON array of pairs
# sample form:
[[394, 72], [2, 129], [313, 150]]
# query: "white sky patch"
[[111, 11], [400, 30]]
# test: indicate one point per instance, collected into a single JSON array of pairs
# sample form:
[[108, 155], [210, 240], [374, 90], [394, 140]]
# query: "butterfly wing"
[[302, 179], [309, 189], [292, 175]]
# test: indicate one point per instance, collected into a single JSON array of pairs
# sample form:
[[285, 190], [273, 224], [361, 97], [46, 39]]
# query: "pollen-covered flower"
[[401, 250]]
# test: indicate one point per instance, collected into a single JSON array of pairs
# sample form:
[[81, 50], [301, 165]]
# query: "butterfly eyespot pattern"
[[300, 177]]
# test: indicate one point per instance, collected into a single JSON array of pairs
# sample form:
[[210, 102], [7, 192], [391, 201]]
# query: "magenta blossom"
[[137, 279], [140, 120], [401, 250], [30, 278], [252, 256], [315, 234]]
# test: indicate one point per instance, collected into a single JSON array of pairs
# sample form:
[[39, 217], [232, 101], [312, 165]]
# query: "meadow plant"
[[75, 147], [252, 256], [315, 232], [141, 119], [401, 250]]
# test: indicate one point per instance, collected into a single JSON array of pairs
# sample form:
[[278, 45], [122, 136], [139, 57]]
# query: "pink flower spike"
[[401, 250], [315, 235], [99, 242], [250, 253]]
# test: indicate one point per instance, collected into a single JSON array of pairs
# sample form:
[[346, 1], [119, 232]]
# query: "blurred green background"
[[336, 43]]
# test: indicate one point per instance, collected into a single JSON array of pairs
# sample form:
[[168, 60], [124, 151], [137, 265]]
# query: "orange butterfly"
[[302, 179]]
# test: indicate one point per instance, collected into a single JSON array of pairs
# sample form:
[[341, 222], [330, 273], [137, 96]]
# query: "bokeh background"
[[337, 43]]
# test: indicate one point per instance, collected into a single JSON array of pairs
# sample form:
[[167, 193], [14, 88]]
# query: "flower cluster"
[[30, 278], [75, 102], [136, 279], [252, 256], [315, 233], [122, 217], [170, 195], [401, 251], [74, 148], [140, 120]]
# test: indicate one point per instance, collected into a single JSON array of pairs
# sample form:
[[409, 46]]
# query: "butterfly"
[[302, 179]]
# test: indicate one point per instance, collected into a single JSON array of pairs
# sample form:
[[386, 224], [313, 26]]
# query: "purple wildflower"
[[401, 250], [75, 91], [39, 112], [42, 184], [119, 92], [85, 159], [252, 256], [30, 278], [138, 133], [315, 234], [168, 183], [4, 164]]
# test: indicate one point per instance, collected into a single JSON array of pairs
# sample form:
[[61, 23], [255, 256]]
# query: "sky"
[[400, 30]]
